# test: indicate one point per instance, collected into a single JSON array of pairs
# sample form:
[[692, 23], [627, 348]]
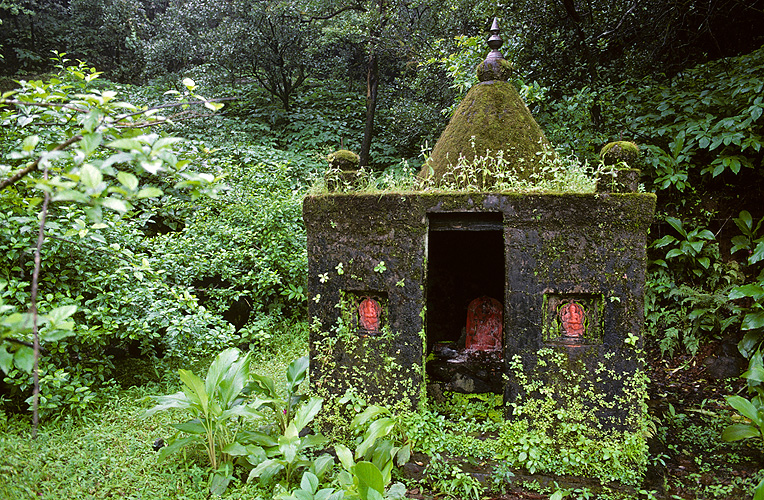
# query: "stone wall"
[[562, 254]]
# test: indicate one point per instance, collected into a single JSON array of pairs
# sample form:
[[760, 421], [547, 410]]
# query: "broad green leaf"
[[150, 192], [196, 386], [126, 144], [755, 373], [30, 142], [53, 335], [674, 252], [307, 412], [6, 358], [164, 142], [24, 359], [737, 432], [309, 482], [71, 195], [345, 456], [753, 321], [752, 290], [758, 492], [128, 180], [377, 429], [404, 454], [219, 483], [369, 413], [236, 449], [116, 204], [666, 240], [758, 253], [176, 446], [745, 407], [151, 166], [60, 314], [218, 369], [296, 373], [369, 479], [189, 83], [90, 176], [177, 400], [191, 427], [90, 142], [676, 224]]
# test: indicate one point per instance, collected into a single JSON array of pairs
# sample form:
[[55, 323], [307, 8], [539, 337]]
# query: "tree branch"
[[33, 166]]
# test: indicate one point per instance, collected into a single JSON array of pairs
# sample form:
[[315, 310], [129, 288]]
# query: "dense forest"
[[154, 159]]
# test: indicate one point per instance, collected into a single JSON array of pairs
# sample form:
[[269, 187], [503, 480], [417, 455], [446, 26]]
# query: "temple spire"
[[495, 67]]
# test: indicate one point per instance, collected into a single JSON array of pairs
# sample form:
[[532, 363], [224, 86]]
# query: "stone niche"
[[392, 278]]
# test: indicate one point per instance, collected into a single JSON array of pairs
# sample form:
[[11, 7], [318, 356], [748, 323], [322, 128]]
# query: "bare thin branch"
[[33, 166]]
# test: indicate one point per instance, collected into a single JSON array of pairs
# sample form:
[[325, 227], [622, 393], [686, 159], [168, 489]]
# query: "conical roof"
[[492, 117]]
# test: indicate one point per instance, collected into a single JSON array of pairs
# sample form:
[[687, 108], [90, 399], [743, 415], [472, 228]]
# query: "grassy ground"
[[107, 452]]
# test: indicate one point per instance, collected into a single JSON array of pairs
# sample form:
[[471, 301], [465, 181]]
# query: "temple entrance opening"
[[465, 296]]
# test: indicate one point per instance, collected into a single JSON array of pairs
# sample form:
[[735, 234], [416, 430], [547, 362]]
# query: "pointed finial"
[[495, 42], [495, 67]]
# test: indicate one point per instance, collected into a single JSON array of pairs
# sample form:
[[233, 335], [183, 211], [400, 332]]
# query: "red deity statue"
[[572, 317], [484, 325], [369, 314]]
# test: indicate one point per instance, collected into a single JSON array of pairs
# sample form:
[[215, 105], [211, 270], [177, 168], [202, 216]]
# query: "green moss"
[[620, 151], [344, 160], [492, 117]]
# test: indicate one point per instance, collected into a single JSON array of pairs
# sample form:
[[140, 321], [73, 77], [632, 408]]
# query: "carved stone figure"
[[572, 317], [484, 325], [370, 314]]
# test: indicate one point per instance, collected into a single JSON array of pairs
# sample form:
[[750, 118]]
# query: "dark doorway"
[[465, 261]]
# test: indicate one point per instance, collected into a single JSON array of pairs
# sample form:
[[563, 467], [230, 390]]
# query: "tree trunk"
[[372, 82]]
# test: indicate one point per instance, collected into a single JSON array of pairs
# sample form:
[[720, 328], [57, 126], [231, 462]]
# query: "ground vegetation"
[[159, 253]]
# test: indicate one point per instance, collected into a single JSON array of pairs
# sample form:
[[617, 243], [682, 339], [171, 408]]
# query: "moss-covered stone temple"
[[538, 297]]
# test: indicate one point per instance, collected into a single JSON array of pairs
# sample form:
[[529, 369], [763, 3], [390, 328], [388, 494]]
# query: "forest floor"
[[688, 458]]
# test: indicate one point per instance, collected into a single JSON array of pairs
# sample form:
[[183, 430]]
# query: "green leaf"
[[345, 456], [116, 204], [676, 224], [307, 412], [753, 321], [90, 143], [218, 369], [90, 176], [369, 479], [71, 195], [176, 445], [29, 143], [296, 373], [54, 335], [219, 483], [309, 482], [758, 253], [758, 492], [60, 314], [369, 413], [195, 385], [24, 359], [191, 427], [128, 180], [745, 407], [378, 428], [165, 142], [752, 290], [737, 432], [150, 192], [126, 144], [755, 373], [6, 358]]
